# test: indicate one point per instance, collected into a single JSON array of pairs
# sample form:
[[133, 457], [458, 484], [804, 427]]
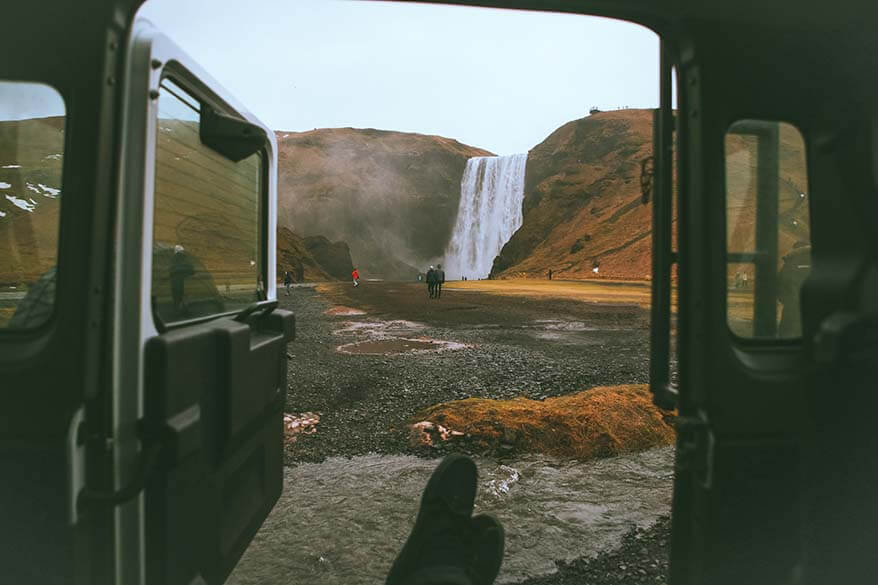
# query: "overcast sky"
[[496, 79]]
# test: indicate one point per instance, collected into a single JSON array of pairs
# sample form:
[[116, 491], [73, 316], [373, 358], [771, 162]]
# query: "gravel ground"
[[535, 348], [515, 346]]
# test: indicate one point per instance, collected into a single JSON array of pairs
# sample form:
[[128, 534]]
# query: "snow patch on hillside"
[[21, 203], [49, 191]]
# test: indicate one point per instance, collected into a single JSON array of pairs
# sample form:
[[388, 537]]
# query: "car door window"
[[207, 235], [768, 239], [32, 121]]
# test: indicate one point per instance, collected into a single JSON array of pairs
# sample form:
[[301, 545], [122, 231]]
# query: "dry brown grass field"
[[626, 292]]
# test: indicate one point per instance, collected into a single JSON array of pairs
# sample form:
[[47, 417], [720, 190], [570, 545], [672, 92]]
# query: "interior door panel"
[[214, 404]]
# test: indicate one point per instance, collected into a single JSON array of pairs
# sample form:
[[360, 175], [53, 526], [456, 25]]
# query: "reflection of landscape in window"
[[31, 159], [206, 220], [792, 224], [541, 381]]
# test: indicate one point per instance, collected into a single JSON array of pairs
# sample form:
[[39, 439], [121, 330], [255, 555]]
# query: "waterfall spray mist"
[[491, 193]]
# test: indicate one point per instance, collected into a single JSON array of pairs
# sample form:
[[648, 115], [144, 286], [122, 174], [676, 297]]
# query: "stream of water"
[[344, 520]]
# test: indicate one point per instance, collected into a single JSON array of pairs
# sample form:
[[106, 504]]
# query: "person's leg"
[[447, 546]]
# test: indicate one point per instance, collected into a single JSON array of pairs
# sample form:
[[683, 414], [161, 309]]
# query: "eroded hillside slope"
[[392, 196], [582, 205]]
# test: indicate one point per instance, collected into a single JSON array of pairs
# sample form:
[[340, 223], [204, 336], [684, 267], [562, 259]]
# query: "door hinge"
[[695, 447], [148, 461]]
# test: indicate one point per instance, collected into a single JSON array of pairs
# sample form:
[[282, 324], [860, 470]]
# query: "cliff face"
[[292, 255], [582, 203], [392, 196], [334, 257]]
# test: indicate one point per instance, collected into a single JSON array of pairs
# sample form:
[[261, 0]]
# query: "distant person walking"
[[288, 281], [440, 280], [550, 274], [431, 282], [181, 269], [355, 275]]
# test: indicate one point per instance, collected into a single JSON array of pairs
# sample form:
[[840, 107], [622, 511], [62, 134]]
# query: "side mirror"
[[234, 138]]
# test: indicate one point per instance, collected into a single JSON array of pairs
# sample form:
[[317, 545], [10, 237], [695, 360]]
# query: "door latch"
[[695, 448]]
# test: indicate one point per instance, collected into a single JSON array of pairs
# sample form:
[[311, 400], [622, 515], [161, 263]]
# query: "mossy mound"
[[600, 422]]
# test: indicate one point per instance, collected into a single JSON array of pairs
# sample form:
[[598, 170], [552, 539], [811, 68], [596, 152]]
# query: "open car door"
[[142, 356], [743, 207], [199, 334], [775, 466]]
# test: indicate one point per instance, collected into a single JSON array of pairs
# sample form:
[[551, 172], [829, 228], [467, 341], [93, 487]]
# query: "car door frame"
[[150, 55]]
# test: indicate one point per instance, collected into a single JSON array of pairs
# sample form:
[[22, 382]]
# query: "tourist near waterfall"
[[440, 280], [431, 282], [288, 281]]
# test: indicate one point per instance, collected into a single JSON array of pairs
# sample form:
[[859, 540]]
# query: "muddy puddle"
[[573, 332], [344, 520], [342, 311], [378, 329], [398, 345], [386, 338]]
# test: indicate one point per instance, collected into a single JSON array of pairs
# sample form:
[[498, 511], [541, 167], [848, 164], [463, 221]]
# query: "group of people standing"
[[435, 280]]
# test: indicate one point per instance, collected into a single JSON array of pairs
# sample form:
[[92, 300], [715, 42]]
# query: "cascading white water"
[[491, 193]]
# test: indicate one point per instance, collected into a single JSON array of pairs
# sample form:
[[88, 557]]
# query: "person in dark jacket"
[[431, 282], [288, 281], [440, 280]]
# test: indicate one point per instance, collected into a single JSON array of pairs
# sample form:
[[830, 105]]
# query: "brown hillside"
[[392, 196], [582, 201]]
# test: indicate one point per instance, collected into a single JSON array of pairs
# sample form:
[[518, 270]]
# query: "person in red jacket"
[[356, 276]]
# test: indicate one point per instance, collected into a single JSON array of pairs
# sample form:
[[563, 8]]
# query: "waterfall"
[[491, 193]]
